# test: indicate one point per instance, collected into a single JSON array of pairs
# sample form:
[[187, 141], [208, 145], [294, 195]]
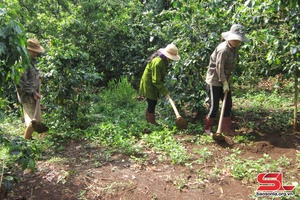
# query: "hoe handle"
[[222, 113], [173, 106], [37, 103]]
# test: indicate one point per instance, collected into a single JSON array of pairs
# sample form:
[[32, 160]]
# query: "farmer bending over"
[[152, 82]]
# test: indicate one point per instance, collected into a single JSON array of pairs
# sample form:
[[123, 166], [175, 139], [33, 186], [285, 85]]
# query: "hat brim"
[[37, 50], [232, 36], [168, 55]]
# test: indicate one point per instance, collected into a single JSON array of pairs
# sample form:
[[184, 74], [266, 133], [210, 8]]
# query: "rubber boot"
[[226, 127], [151, 117], [147, 116], [209, 125]]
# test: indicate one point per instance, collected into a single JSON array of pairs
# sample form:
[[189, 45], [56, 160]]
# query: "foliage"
[[113, 39], [96, 45], [271, 47], [164, 142], [13, 55], [14, 149], [121, 93], [12, 46], [70, 100], [117, 125]]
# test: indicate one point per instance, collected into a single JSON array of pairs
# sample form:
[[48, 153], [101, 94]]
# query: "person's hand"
[[225, 86], [36, 96]]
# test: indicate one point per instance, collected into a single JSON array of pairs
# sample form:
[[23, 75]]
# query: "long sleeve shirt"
[[28, 84], [152, 82], [221, 64]]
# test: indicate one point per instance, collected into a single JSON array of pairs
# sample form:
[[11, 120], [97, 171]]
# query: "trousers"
[[215, 94], [151, 105]]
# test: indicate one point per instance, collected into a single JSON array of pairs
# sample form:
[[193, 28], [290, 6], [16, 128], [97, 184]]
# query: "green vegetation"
[[95, 54], [118, 126]]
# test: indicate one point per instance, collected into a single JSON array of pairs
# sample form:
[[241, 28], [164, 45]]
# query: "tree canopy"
[[89, 43]]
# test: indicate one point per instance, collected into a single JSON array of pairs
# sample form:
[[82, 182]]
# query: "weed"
[[204, 153], [180, 182], [298, 160], [204, 139], [247, 168], [283, 161], [113, 187], [297, 190], [154, 196], [56, 159], [62, 178], [97, 164], [216, 171], [116, 124], [114, 135], [82, 193], [235, 151], [138, 160], [244, 138], [164, 142], [120, 93]]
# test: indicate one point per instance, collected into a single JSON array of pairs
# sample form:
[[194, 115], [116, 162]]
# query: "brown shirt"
[[28, 84], [221, 64]]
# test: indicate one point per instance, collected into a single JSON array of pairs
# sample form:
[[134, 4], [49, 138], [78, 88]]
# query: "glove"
[[225, 86]]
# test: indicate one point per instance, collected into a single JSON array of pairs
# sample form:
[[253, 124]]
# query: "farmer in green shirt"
[[152, 82], [27, 88], [221, 64]]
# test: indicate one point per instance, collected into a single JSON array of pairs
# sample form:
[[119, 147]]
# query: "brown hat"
[[34, 45]]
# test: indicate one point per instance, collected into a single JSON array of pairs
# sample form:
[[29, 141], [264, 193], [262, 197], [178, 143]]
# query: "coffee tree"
[[89, 43], [13, 55]]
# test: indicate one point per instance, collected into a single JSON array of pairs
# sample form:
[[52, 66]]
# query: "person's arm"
[[220, 65], [221, 60], [28, 83]]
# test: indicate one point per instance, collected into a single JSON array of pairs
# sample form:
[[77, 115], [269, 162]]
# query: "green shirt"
[[152, 82]]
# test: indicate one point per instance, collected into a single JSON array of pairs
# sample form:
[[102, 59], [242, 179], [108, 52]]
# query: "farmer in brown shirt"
[[27, 88], [222, 63]]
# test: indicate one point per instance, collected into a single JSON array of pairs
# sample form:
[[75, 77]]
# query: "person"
[[152, 81], [221, 64], [28, 86]]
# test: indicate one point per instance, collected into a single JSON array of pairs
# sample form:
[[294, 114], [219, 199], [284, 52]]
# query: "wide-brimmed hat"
[[237, 32], [171, 51], [34, 45]]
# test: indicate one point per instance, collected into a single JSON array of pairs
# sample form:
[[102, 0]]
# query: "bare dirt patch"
[[79, 172]]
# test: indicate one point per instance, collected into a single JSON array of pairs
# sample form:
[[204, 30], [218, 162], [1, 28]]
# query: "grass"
[[117, 123], [56, 159]]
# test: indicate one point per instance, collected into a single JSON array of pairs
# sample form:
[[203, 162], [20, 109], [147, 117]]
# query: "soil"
[[86, 172]]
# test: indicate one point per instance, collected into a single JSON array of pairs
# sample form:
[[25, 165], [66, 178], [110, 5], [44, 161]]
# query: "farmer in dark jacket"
[[152, 82], [222, 63], [27, 88]]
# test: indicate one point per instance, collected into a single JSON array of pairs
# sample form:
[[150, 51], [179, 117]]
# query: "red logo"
[[272, 182]]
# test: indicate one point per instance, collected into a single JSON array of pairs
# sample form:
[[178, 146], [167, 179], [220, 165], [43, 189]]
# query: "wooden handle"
[[222, 113], [37, 101], [37, 104], [173, 106]]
